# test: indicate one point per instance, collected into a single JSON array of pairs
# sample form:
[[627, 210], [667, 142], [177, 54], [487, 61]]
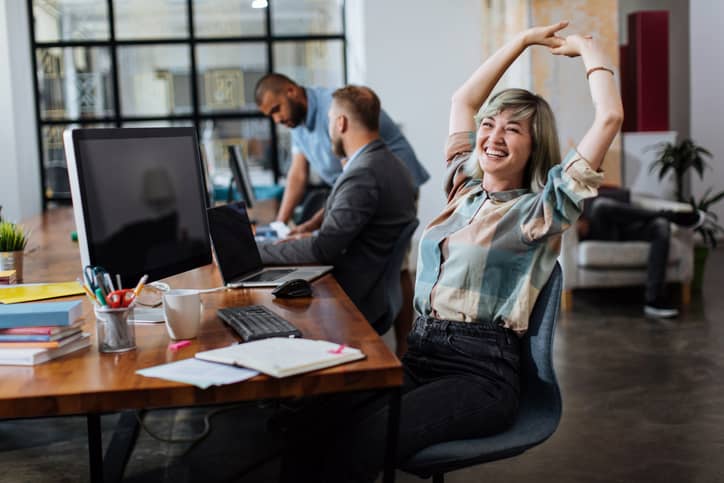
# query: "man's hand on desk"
[[314, 223], [292, 237], [302, 229]]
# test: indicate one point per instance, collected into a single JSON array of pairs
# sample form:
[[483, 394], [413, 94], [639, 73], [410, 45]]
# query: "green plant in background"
[[12, 237], [711, 227], [680, 158]]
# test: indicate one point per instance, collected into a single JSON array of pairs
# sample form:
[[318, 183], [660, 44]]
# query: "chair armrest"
[[655, 204]]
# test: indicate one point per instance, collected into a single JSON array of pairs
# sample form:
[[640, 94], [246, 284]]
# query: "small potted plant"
[[708, 232], [13, 240]]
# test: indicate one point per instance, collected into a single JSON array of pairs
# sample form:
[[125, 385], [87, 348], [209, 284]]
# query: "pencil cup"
[[115, 333]]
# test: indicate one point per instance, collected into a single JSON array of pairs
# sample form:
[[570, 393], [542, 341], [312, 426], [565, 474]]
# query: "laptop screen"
[[233, 240]]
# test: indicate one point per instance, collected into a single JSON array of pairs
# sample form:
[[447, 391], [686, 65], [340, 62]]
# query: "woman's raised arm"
[[604, 92], [472, 94]]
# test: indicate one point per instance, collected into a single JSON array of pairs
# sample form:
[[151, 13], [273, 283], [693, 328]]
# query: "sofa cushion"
[[633, 254]]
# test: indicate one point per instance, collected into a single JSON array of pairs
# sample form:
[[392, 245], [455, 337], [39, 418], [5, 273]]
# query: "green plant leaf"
[[12, 237]]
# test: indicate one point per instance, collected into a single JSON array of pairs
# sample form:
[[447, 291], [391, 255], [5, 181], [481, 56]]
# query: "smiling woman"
[[484, 260]]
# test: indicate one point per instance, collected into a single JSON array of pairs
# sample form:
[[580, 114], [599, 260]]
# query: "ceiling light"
[[259, 4]]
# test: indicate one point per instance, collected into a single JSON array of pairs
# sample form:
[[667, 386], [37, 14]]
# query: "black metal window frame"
[[196, 116]]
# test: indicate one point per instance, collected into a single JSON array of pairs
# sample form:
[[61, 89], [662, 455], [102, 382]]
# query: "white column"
[[707, 102], [20, 193]]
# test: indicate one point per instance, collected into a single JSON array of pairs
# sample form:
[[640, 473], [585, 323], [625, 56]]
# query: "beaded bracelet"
[[594, 69]]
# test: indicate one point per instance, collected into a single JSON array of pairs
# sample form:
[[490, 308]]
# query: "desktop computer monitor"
[[240, 172], [139, 200]]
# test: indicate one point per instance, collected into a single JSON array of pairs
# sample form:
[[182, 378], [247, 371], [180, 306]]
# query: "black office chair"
[[314, 200], [540, 404], [391, 278]]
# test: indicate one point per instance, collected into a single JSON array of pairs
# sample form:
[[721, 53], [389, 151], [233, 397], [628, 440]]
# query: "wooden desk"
[[92, 383]]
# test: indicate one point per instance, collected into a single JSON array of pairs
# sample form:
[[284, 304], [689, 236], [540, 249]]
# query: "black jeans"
[[461, 380], [613, 220]]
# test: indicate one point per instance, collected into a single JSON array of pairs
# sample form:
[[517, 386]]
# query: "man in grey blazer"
[[370, 203]]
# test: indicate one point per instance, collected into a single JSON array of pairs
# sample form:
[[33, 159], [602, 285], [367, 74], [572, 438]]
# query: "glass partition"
[[117, 63]]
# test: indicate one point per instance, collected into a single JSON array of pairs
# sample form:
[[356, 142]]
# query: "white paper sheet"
[[199, 373], [148, 315]]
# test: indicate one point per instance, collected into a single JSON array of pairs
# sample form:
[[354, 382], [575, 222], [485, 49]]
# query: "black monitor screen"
[[143, 200]]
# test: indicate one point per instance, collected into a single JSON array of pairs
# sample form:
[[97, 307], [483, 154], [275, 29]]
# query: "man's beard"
[[338, 147], [297, 113]]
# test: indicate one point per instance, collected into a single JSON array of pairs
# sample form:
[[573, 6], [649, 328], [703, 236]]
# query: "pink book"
[[47, 330]]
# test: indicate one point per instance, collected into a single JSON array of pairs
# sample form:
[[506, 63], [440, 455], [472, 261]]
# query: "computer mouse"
[[293, 288]]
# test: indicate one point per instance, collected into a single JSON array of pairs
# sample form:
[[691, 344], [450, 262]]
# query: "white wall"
[[414, 55], [19, 170], [707, 99]]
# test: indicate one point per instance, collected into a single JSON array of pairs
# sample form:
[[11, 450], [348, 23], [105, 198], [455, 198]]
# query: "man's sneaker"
[[688, 219], [658, 310]]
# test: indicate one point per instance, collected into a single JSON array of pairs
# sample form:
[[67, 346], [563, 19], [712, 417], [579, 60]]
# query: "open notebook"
[[282, 357]]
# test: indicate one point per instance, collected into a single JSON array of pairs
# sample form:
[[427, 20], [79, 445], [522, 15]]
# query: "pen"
[[101, 298], [87, 291], [140, 285], [118, 281], [100, 284], [109, 283]]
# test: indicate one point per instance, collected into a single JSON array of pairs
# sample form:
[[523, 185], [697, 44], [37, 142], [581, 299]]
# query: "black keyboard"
[[255, 322]]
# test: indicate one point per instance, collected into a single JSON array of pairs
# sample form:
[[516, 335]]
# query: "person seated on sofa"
[[611, 217]]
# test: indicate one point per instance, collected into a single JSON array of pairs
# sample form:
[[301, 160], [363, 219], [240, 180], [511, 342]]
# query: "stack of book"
[[7, 277], [32, 333]]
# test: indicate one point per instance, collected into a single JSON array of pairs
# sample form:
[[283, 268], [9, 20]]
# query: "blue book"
[[35, 314]]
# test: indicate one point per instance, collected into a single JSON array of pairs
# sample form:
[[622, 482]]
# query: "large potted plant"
[[708, 231], [13, 240], [679, 159]]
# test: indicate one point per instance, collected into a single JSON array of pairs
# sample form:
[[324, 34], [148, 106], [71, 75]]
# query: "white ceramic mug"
[[182, 311]]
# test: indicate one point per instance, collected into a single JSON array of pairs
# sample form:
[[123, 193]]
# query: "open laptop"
[[238, 255]]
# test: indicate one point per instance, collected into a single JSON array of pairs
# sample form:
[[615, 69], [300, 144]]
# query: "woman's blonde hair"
[[545, 151]]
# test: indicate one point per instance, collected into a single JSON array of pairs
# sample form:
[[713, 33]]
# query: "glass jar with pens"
[[113, 308]]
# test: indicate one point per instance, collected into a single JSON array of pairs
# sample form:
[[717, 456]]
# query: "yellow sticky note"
[[40, 291]]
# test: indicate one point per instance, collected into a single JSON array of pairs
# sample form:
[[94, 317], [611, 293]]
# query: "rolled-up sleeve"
[[560, 203], [458, 149]]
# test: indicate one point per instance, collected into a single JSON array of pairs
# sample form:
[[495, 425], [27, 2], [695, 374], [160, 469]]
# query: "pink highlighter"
[[178, 345]]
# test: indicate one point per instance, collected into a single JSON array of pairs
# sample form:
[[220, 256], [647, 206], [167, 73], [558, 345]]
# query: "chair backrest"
[[538, 378], [391, 278]]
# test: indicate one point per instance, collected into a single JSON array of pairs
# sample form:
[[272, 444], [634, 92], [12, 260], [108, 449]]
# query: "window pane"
[[174, 123], [318, 63], [227, 18], [227, 74], [253, 136], [56, 171], [57, 20], [74, 82], [284, 149], [300, 17], [154, 80], [150, 19]]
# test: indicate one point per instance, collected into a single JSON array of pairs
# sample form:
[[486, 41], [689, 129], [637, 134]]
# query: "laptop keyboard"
[[255, 322], [269, 275]]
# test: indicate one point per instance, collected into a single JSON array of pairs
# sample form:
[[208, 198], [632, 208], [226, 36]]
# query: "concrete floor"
[[643, 402]]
